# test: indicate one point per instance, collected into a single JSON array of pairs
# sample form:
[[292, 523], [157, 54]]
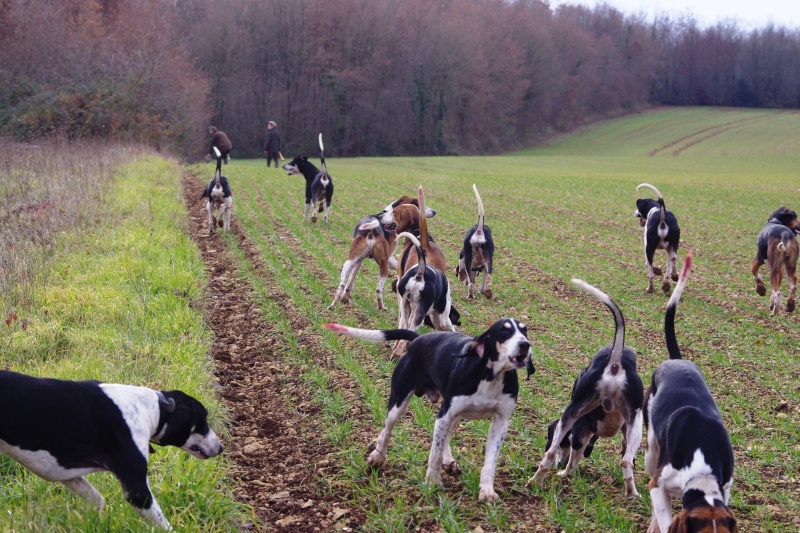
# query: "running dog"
[[476, 254], [689, 453], [423, 292], [63, 430], [218, 198], [319, 184], [661, 232], [475, 376], [777, 246], [606, 397], [376, 241]]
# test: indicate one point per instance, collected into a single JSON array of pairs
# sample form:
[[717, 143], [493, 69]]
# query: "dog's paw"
[[452, 468], [376, 458], [433, 477], [487, 494], [790, 306], [761, 289], [657, 271], [488, 293], [666, 286], [674, 276], [314, 219], [632, 493], [649, 289]]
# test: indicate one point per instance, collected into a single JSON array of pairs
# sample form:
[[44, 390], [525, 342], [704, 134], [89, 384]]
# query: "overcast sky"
[[749, 14]]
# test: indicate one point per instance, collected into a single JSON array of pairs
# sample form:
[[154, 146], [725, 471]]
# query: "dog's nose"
[[524, 346]]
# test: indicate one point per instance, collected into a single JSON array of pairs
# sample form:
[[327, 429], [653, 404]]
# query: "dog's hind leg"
[[345, 282], [671, 271], [649, 254], [393, 415], [633, 439], [791, 273], [305, 212], [383, 268], [761, 289], [326, 218], [85, 490]]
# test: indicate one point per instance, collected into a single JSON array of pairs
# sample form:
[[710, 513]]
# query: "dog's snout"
[[524, 347]]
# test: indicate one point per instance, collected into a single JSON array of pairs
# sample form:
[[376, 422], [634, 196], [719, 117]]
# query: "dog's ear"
[[169, 405], [679, 523]]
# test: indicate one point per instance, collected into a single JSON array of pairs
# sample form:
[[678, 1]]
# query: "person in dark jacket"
[[221, 141], [273, 145]]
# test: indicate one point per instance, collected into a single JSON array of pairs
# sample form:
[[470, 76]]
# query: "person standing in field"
[[221, 141], [273, 145]]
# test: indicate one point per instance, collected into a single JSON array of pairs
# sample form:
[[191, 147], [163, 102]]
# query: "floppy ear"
[[477, 347], [169, 403], [679, 524]]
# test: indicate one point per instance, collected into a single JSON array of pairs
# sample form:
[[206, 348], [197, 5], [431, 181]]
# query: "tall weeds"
[[47, 190]]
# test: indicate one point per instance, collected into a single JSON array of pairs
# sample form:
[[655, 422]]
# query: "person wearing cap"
[[273, 145], [221, 141]]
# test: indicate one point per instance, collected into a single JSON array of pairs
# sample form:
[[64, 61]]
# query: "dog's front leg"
[[565, 423], [497, 432], [761, 289], [633, 439], [662, 510], [85, 490], [211, 221], [141, 497], [441, 437], [402, 310]]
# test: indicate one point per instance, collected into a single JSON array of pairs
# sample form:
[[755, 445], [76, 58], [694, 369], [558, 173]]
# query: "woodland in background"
[[378, 77]]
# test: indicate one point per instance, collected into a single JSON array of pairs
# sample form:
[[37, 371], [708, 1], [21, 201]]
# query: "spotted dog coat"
[[607, 397], [689, 453], [476, 255], [63, 430], [476, 377], [778, 248], [661, 232], [218, 198]]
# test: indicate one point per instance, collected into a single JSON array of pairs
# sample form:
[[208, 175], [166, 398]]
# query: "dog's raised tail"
[[423, 221], [619, 321], [322, 156], [669, 319], [420, 252], [218, 172], [479, 231], [662, 224], [375, 335]]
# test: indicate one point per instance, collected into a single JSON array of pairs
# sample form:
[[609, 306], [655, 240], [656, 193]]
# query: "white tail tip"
[[320, 142], [217, 152]]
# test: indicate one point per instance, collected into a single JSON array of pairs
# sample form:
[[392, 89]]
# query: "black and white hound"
[[218, 197], [606, 397], [476, 254], [778, 248], [423, 291], [372, 239], [475, 376], [689, 453], [661, 232], [63, 430], [319, 184]]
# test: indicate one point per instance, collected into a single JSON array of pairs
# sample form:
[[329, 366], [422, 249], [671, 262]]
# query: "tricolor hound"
[[661, 232], [777, 246], [689, 453], [475, 376], [607, 397], [476, 255], [63, 430], [218, 197], [376, 241], [319, 184]]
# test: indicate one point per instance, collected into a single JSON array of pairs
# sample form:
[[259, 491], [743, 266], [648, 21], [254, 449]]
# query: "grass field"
[[558, 212], [561, 211]]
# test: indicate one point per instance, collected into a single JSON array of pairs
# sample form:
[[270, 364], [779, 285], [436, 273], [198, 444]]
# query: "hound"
[[63, 430], [661, 232], [319, 184], [476, 254], [777, 246], [376, 241], [606, 398], [689, 453], [218, 197], [422, 292], [475, 376]]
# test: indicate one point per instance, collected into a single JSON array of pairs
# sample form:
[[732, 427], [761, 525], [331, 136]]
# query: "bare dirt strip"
[[277, 452]]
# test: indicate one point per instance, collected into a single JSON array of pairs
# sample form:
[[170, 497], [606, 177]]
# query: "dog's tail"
[[218, 172], [669, 319], [371, 226], [662, 225], [322, 157], [423, 221], [420, 252], [479, 231], [375, 335], [619, 321]]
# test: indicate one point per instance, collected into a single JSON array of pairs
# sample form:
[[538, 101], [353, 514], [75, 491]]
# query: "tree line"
[[378, 77]]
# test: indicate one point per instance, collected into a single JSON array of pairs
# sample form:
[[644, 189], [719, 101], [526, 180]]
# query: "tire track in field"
[[704, 134]]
